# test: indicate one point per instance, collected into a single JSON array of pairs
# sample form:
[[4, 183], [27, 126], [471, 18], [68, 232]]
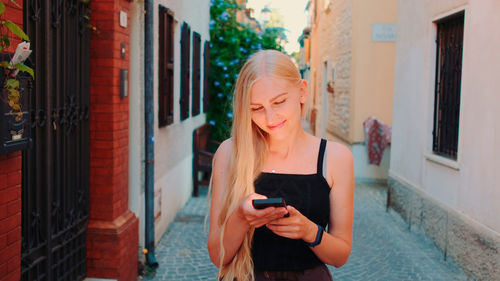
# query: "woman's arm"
[[336, 244], [240, 220]]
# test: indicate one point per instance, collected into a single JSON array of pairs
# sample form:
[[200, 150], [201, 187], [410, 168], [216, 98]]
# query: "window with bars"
[[185, 50], [206, 71], [166, 67], [196, 74], [449, 45]]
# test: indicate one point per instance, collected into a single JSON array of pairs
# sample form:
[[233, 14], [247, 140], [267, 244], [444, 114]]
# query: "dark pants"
[[319, 273]]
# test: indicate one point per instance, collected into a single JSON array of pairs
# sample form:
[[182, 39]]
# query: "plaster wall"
[[136, 116], [372, 66], [468, 185], [172, 143]]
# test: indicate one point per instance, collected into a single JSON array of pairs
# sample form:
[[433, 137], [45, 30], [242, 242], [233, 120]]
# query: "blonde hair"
[[248, 151]]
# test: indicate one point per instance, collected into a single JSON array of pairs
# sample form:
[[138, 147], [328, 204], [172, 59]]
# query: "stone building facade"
[[352, 73]]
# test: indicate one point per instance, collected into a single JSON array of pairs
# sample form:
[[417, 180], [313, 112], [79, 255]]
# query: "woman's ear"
[[304, 91]]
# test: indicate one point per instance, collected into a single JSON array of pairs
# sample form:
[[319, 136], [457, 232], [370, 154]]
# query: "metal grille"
[[55, 183], [447, 90]]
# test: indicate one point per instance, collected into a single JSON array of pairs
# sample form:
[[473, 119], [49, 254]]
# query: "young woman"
[[270, 155]]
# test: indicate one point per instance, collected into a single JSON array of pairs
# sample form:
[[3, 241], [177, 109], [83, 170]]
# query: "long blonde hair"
[[248, 152]]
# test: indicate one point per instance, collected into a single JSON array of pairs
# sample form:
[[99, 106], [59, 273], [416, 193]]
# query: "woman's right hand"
[[257, 218]]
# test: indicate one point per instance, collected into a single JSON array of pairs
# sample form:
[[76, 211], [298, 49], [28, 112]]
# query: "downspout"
[[149, 131]]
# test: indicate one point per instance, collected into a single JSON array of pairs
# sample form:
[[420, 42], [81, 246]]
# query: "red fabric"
[[377, 137]]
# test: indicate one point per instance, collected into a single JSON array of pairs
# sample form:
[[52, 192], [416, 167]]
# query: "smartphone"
[[269, 202]]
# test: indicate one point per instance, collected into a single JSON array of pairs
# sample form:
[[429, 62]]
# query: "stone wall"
[[336, 47], [473, 246], [331, 38]]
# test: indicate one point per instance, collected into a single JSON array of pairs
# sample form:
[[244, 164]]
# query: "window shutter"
[[166, 68], [206, 72], [196, 73], [185, 49]]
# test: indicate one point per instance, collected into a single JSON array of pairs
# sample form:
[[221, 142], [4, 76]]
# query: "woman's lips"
[[277, 126]]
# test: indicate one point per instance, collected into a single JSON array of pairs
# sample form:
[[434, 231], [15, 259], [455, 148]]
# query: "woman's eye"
[[280, 101], [257, 108]]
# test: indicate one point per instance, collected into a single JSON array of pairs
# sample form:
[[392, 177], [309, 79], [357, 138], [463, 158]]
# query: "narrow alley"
[[383, 247]]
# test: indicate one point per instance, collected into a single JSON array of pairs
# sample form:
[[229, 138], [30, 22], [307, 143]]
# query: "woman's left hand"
[[296, 226]]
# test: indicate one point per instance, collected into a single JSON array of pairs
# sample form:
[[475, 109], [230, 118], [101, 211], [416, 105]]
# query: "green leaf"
[[2, 8], [4, 64], [25, 68], [12, 83], [16, 30]]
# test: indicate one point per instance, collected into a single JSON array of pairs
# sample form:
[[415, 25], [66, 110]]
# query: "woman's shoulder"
[[334, 149], [338, 150], [223, 152]]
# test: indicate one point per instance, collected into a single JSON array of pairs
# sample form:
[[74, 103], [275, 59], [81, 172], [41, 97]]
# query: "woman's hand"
[[257, 218], [297, 226]]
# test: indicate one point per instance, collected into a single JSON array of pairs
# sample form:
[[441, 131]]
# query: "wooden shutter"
[[166, 68], [206, 72], [185, 49], [196, 73]]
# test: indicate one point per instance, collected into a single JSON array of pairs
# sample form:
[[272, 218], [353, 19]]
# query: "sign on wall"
[[384, 32]]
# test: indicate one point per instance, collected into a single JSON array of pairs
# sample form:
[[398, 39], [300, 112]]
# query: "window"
[[166, 68], [206, 71], [185, 49], [196, 73], [449, 45]]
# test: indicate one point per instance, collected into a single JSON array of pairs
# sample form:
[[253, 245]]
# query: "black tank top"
[[309, 194]]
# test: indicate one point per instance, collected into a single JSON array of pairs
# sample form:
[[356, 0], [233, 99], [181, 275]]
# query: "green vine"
[[231, 45], [11, 84]]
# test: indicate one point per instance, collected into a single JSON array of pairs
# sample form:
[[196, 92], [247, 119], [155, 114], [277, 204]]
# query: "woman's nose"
[[270, 116]]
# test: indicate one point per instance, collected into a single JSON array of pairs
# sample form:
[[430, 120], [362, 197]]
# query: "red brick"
[[14, 263], [9, 194], [15, 276], [14, 207], [10, 251], [14, 178], [3, 211], [3, 269], [3, 240], [10, 223], [11, 165], [14, 235]]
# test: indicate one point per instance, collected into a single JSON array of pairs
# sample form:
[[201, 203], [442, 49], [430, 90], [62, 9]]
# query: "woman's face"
[[275, 105]]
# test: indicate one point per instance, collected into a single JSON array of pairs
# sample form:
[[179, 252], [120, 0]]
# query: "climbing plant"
[[231, 45], [10, 93]]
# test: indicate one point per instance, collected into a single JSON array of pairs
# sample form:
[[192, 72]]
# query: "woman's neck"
[[283, 147]]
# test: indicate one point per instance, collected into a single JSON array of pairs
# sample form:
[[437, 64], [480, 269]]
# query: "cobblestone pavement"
[[383, 248]]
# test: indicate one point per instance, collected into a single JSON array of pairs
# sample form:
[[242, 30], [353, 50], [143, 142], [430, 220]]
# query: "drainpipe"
[[149, 131]]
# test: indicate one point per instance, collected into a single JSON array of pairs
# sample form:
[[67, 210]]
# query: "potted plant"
[[14, 129], [330, 87]]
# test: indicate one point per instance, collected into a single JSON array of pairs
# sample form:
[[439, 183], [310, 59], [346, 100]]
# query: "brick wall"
[[112, 235], [10, 216], [10, 188]]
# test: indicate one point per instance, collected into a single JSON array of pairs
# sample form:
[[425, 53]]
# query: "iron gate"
[[55, 184]]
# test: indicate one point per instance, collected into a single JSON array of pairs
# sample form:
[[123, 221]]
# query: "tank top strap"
[[321, 156]]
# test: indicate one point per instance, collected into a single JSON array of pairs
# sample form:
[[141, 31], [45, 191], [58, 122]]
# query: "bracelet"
[[319, 236]]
